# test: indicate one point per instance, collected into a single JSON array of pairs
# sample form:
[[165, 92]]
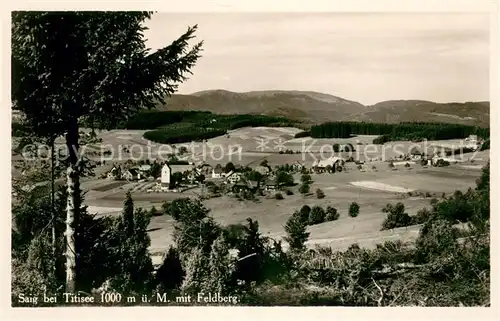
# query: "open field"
[[272, 214]]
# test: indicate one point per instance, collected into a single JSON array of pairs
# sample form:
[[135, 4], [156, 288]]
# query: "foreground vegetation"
[[445, 267]]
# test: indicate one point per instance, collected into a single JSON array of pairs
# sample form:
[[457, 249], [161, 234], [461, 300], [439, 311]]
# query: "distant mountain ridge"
[[315, 107]]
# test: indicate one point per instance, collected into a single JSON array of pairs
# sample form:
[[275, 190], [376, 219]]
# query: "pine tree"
[[296, 232], [128, 215], [134, 266], [170, 274], [220, 267], [196, 272]]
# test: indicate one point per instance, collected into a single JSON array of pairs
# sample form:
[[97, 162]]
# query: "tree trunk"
[[52, 198], [73, 205]]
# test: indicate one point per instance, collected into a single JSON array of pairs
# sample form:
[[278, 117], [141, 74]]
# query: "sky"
[[357, 56]]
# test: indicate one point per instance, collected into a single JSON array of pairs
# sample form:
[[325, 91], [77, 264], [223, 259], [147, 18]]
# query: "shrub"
[[295, 229], [422, 216], [331, 214], [304, 212], [284, 179], [396, 216], [353, 209], [304, 189], [320, 194], [442, 163], [154, 212], [317, 215], [278, 196], [289, 192], [485, 145], [436, 238], [234, 234], [305, 179]]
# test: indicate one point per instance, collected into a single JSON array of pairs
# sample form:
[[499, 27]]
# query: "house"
[[415, 154], [168, 170], [264, 170], [204, 168], [217, 172], [192, 176], [244, 184], [320, 166], [473, 142], [234, 177], [132, 174], [240, 186], [113, 173], [270, 184]]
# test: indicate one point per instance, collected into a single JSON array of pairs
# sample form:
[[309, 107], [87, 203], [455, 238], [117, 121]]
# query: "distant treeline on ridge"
[[401, 131], [170, 127]]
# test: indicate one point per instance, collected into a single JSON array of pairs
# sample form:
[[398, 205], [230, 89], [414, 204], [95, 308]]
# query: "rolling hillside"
[[318, 107]]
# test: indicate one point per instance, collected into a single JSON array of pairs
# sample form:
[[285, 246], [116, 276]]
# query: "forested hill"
[[319, 107]]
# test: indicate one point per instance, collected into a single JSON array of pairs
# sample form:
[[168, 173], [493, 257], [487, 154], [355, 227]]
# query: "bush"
[[278, 196], [317, 215], [422, 216], [442, 163], [320, 194], [154, 212], [353, 209], [304, 212], [485, 145], [305, 179], [396, 216], [436, 238], [289, 192], [331, 214], [304, 189], [234, 234]]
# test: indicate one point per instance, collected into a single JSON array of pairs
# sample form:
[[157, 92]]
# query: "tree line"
[[400, 131]]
